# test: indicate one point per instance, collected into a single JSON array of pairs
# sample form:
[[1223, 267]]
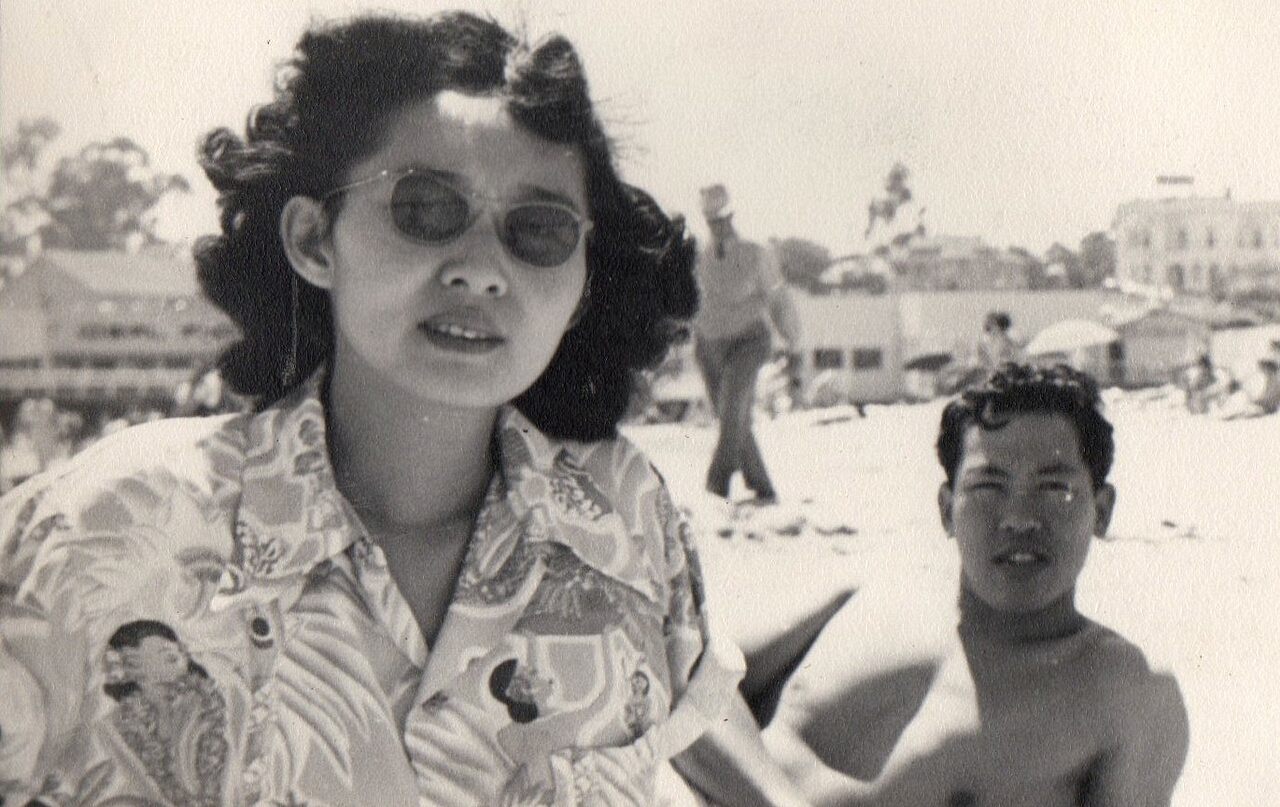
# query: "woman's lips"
[[468, 334]]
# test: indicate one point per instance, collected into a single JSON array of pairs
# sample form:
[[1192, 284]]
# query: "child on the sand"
[[1006, 694]]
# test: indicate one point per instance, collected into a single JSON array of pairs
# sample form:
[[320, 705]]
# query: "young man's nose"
[[1021, 519], [1021, 514], [1020, 526]]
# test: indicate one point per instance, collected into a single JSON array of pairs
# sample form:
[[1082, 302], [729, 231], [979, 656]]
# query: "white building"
[[1200, 246]]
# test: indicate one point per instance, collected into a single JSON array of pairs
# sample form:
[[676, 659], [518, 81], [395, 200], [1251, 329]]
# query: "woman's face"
[[462, 322]]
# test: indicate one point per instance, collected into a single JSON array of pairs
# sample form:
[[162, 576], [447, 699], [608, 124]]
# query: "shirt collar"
[[588, 497], [292, 517]]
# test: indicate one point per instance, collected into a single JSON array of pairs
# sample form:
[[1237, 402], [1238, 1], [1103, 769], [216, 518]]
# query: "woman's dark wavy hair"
[[1013, 389], [333, 103]]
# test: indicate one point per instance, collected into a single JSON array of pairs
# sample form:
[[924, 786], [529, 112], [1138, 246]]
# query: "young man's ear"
[[1104, 501], [946, 498], [304, 231]]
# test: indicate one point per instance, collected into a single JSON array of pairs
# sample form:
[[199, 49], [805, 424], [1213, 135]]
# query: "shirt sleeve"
[[42, 664]]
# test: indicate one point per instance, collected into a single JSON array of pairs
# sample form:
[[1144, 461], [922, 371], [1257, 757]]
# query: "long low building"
[[109, 329], [867, 345]]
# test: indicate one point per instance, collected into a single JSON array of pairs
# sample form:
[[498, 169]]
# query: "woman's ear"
[[304, 231]]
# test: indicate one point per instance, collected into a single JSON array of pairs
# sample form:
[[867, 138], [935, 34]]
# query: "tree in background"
[[23, 212], [1097, 259], [101, 198], [886, 209]]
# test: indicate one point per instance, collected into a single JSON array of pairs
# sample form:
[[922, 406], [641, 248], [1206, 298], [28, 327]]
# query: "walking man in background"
[[743, 302]]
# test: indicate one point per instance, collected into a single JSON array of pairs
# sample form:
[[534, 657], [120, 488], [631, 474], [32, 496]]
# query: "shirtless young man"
[[1005, 695]]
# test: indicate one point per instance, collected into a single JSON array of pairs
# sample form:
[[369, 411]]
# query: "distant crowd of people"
[[1216, 391], [40, 434]]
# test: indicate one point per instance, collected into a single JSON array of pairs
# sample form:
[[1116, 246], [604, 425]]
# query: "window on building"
[[1175, 277], [1180, 238], [828, 359], [1209, 239], [868, 358], [1257, 239]]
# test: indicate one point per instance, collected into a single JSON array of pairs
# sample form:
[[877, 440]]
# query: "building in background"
[[109, 331], [951, 263], [1213, 247]]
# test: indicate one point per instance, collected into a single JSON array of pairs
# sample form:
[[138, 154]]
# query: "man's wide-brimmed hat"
[[715, 203]]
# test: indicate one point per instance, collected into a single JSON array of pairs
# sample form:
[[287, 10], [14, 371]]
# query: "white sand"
[[1189, 571]]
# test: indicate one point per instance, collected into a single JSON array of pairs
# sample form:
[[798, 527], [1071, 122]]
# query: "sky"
[[1021, 122]]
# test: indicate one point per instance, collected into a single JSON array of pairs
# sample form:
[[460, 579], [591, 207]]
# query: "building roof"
[[1196, 204], [162, 271]]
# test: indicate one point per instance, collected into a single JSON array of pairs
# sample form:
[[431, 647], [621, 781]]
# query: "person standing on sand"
[[743, 300], [1004, 694]]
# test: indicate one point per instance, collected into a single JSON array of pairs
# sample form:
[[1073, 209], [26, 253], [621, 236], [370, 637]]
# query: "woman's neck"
[[405, 464]]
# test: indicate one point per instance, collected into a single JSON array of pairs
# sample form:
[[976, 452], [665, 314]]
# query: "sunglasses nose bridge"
[[480, 268]]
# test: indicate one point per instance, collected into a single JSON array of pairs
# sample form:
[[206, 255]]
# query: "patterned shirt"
[[192, 614]]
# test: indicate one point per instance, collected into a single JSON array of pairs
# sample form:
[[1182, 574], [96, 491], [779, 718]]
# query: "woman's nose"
[[477, 273], [478, 266], [477, 278]]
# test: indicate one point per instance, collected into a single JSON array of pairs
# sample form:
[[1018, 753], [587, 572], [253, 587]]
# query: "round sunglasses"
[[426, 208]]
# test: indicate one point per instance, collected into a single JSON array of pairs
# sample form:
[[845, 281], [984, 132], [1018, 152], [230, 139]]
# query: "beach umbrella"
[[1069, 335]]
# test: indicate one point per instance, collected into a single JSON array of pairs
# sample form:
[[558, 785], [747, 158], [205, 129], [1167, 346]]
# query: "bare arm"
[[1143, 769], [730, 766]]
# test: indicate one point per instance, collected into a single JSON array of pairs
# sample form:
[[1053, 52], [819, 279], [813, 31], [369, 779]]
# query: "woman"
[[425, 569]]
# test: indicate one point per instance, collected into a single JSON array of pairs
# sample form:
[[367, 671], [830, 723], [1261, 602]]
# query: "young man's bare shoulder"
[[1124, 679]]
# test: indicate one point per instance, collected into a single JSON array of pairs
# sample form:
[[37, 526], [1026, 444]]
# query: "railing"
[[90, 382]]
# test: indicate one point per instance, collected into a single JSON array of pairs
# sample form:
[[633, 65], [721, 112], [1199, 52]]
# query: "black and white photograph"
[[826, 403]]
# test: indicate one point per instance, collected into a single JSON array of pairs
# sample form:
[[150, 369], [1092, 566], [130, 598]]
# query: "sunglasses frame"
[[477, 204]]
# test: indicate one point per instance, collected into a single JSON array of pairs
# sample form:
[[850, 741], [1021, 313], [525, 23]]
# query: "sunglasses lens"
[[542, 235], [428, 210]]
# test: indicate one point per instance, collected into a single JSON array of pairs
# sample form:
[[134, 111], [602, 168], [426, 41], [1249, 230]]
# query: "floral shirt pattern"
[[192, 614]]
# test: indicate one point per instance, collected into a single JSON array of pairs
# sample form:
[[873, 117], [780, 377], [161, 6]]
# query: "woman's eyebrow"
[[544, 194]]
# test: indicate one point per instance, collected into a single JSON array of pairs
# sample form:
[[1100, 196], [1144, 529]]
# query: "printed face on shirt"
[[1023, 511], [156, 660], [462, 321]]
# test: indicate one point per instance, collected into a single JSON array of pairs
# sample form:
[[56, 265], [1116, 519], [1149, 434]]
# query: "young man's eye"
[[985, 486]]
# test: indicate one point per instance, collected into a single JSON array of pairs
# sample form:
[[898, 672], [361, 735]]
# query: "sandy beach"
[[1189, 570]]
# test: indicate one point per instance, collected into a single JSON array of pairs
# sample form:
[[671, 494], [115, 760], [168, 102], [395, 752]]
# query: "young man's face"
[[1023, 511]]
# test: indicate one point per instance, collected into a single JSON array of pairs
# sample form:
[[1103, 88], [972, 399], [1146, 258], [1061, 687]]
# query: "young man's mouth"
[[1019, 557]]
